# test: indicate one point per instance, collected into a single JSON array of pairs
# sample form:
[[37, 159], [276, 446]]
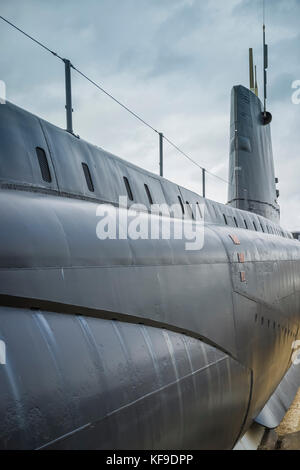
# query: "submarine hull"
[[78, 382], [139, 343]]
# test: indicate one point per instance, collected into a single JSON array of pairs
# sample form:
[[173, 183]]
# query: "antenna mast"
[[267, 117], [251, 73], [265, 68], [255, 85]]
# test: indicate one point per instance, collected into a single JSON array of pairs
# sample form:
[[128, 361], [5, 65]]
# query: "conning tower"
[[251, 167], [252, 184]]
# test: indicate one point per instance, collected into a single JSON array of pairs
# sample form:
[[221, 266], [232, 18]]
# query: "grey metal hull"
[[76, 382], [81, 371], [122, 344]]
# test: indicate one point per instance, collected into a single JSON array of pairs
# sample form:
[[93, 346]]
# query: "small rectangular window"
[[149, 194], [254, 225], [235, 221], [246, 226], [88, 177], [128, 188], [43, 162], [225, 219]]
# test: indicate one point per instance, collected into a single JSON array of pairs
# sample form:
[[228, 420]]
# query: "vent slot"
[[181, 204], [88, 177], [43, 162], [199, 209], [148, 194], [190, 210], [128, 188]]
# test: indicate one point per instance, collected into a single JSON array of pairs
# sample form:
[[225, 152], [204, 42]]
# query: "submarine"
[[140, 343]]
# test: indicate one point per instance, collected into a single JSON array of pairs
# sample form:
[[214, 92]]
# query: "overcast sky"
[[174, 63]]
